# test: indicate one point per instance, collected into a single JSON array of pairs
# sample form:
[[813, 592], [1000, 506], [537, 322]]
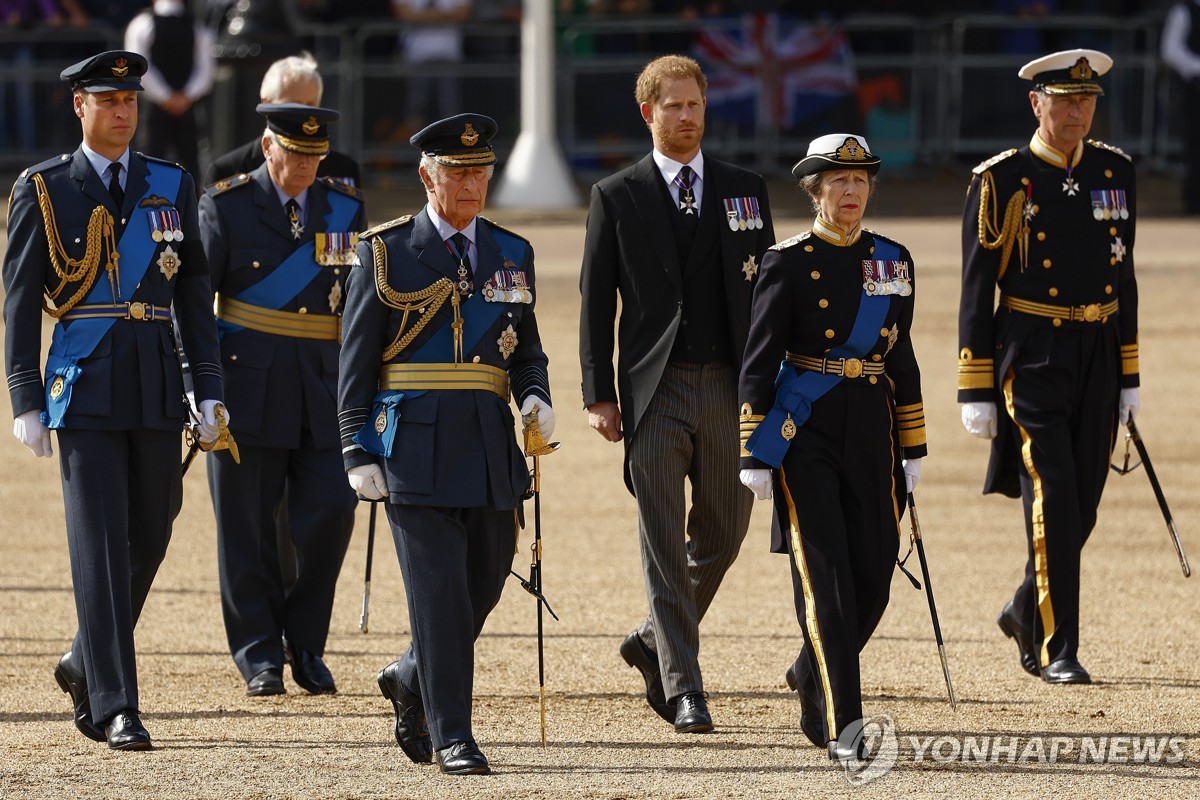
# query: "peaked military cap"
[[836, 151], [110, 71], [299, 128], [464, 140], [1068, 72]]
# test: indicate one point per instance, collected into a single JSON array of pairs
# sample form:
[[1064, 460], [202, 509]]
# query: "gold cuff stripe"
[[981, 380], [442, 377], [913, 438], [302, 147], [1129, 365], [325, 327], [1092, 312]]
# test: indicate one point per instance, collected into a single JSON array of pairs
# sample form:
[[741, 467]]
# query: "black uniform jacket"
[[455, 447], [1079, 254], [132, 378], [630, 254]]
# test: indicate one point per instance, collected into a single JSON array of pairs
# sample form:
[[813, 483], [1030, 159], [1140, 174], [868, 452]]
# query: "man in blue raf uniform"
[[279, 244], [1052, 225], [106, 241], [439, 332]]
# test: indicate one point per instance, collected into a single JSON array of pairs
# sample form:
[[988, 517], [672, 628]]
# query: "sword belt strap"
[[140, 312], [326, 327], [844, 367], [441, 377], [1092, 312]]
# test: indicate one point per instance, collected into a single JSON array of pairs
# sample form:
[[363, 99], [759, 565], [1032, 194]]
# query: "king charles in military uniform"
[[279, 243], [1052, 225], [105, 240], [439, 337]]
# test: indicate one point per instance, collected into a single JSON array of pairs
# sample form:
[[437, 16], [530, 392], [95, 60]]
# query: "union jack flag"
[[773, 72]]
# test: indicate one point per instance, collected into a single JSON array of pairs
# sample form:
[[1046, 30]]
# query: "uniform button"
[[808, 248], [877, 357], [1024, 181], [829, 334], [872, 249], [1041, 236], [1053, 292], [823, 303], [255, 264], [1046, 263], [873, 379], [1036, 208], [233, 357], [1112, 261], [76, 240], [684, 323], [1112, 231], [510, 315], [883, 331], [689, 347], [475, 360], [1057, 322], [816, 276], [1108, 290], [303, 310], [1108, 173], [337, 271]]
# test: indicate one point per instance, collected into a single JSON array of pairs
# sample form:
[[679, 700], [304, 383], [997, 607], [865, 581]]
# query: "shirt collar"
[[1057, 158], [834, 235], [446, 230], [301, 199], [670, 168], [101, 164]]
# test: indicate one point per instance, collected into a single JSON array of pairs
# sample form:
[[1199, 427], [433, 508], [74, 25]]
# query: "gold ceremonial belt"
[[142, 312], [280, 323], [846, 367], [1092, 312], [445, 376]]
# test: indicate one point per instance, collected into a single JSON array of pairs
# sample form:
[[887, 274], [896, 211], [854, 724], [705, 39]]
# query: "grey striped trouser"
[[689, 430]]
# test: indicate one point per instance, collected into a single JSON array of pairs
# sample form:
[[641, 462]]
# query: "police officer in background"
[[439, 332], [279, 244], [1048, 373], [107, 240]]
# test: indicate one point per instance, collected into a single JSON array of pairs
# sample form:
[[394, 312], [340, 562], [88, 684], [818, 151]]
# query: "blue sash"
[[71, 344], [298, 270], [478, 316], [795, 392]]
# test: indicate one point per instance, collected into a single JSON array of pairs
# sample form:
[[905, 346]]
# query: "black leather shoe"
[[462, 758], [854, 752], [412, 730], [1010, 622], [1065, 670], [638, 656], [265, 683], [309, 671], [71, 680], [126, 732], [691, 714], [810, 713]]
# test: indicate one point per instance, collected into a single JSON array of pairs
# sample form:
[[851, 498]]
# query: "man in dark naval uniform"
[[106, 241], [1052, 225], [279, 244], [439, 333], [678, 238]]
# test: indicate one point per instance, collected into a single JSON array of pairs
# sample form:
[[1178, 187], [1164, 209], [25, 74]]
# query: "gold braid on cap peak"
[[426, 302], [99, 235], [1002, 235], [302, 147]]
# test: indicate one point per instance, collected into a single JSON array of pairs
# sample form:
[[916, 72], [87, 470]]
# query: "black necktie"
[[687, 198], [293, 215], [114, 184], [461, 246]]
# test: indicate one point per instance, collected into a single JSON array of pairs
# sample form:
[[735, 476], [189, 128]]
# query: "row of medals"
[[743, 224]]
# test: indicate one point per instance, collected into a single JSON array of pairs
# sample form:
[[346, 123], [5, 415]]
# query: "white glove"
[[209, 430], [1129, 405], [545, 414], [757, 481], [980, 419], [912, 473], [33, 434], [368, 481]]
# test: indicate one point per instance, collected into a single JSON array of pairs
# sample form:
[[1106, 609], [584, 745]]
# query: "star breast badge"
[[168, 262], [750, 267], [507, 342]]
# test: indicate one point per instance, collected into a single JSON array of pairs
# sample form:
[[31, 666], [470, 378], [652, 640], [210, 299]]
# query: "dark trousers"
[[688, 434], [1191, 147], [839, 509], [165, 136], [454, 562], [259, 607], [122, 491], [1061, 391]]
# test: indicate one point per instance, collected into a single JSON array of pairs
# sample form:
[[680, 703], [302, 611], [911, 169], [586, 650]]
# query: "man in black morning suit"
[[108, 239], [279, 244], [439, 334], [678, 237]]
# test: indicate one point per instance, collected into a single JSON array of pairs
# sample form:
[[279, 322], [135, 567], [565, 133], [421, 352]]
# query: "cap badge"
[[469, 137], [310, 126], [121, 69], [851, 151], [1082, 71]]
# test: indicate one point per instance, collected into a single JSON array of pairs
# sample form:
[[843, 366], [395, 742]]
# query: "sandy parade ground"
[[1140, 627]]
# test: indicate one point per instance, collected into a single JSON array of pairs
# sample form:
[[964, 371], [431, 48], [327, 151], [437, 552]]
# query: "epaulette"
[[386, 226], [786, 243], [45, 165], [225, 184], [1110, 148], [879, 235], [342, 187], [497, 225], [158, 160], [984, 166]]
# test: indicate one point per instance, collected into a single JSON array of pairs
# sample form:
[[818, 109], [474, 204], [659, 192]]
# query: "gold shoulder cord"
[[99, 234], [993, 237], [425, 301]]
